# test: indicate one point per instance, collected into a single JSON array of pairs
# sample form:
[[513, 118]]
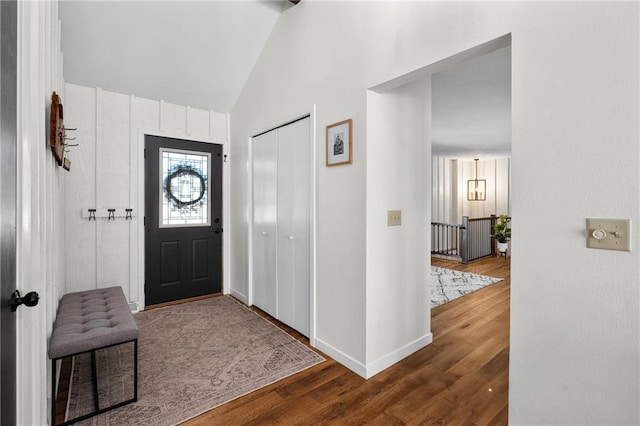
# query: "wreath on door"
[[193, 179]]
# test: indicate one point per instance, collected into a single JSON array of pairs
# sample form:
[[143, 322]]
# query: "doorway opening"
[[470, 133], [471, 145], [400, 162]]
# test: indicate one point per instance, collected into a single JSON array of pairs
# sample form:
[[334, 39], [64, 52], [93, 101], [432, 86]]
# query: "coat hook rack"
[[109, 213]]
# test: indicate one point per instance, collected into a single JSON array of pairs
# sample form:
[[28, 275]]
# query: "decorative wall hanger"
[[58, 137]]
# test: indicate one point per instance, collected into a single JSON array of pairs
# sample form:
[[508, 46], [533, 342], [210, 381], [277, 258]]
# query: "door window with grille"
[[184, 190]]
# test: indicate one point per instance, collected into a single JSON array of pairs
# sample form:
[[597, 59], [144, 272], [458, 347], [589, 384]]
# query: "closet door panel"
[[265, 201], [294, 225], [286, 236], [302, 225]]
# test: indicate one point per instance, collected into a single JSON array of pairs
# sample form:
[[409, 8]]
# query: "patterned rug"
[[192, 357], [448, 285]]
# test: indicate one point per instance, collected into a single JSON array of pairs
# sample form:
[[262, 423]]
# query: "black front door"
[[183, 219], [8, 143]]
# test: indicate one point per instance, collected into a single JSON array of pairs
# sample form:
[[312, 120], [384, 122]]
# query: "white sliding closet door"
[[282, 223], [265, 212], [294, 225]]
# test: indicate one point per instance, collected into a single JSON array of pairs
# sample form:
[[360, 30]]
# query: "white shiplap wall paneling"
[[80, 189], [98, 196], [114, 185], [40, 222], [218, 126], [133, 196], [198, 124], [174, 119]]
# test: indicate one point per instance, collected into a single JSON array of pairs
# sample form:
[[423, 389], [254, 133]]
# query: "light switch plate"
[[609, 234], [394, 217]]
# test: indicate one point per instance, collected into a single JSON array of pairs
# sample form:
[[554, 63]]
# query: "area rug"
[[448, 285], [192, 358]]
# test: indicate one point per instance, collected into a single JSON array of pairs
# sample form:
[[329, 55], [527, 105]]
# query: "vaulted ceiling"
[[196, 53], [201, 53]]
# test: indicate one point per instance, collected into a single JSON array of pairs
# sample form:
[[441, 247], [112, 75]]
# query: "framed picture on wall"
[[339, 143]]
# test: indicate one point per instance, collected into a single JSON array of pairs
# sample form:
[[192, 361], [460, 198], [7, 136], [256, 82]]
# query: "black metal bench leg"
[[135, 370], [94, 374], [53, 392]]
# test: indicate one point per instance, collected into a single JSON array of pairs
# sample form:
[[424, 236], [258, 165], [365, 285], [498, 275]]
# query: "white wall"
[[40, 202], [575, 346], [397, 302], [107, 171], [286, 81], [575, 349]]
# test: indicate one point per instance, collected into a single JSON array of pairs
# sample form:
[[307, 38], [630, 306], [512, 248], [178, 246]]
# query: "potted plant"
[[502, 232]]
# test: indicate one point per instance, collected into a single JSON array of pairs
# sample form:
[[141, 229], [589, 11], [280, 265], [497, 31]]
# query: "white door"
[[294, 225], [281, 254], [265, 213]]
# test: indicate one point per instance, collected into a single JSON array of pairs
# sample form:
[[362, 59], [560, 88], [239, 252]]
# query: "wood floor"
[[460, 379]]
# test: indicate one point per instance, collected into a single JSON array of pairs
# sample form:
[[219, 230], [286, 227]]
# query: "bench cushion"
[[89, 320]]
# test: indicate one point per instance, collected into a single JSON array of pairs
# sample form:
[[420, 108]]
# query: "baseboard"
[[344, 359], [397, 355], [241, 297], [370, 370]]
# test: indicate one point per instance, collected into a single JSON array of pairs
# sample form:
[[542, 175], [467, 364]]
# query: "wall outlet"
[[394, 217]]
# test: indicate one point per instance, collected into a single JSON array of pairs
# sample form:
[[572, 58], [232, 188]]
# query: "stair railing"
[[470, 240]]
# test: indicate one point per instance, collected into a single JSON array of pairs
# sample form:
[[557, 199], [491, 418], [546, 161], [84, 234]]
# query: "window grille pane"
[[184, 188]]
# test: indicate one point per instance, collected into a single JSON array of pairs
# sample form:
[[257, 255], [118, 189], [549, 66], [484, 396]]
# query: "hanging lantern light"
[[476, 188]]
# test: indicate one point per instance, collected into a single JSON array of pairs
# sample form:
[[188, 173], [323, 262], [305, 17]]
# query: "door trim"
[[226, 211], [311, 113], [10, 399]]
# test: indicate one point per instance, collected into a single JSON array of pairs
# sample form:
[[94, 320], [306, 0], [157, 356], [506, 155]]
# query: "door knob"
[[29, 299], [217, 230]]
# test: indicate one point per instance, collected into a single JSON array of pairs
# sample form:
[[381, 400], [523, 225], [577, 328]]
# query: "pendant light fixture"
[[476, 188]]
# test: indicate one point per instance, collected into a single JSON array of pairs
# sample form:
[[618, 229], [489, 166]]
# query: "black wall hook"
[[29, 299]]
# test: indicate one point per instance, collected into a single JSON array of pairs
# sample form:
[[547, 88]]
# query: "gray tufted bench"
[[87, 321]]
